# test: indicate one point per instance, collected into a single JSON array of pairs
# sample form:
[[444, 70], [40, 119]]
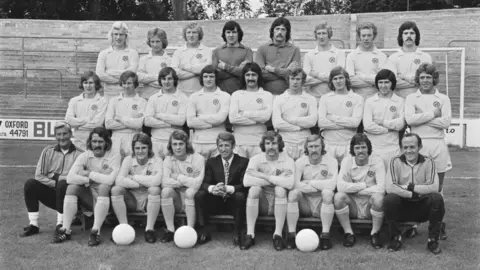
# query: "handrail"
[[25, 77], [462, 40]]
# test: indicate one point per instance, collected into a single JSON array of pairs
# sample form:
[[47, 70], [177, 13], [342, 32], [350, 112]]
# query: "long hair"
[[193, 25], [429, 69], [118, 26], [144, 139], [129, 74], [297, 71], [160, 34], [87, 75], [386, 74], [209, 69], [231, 25], [271, 135], [164, 73], [251, 66], [312, 138], [339, 71], [405, 26], [281, 21], [102, 133], [181, 136], [358, 139]]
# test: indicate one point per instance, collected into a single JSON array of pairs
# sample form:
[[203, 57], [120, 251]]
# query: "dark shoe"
[[60, 236], [57, 228], [325, 242], [291, 240], [278, 242], [395, 244], [434, 246], [94, 238], [411, 232], [203, 238], [167, 236], [443, 233], [248, 243], [376, 241], [30, 230], [150, 236], [237, 240], [349, 240]]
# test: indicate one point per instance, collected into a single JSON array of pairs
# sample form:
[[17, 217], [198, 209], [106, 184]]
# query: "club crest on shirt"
[[163, 64], [324, 173], [174, 103], [332, 60], [304, 105], [125, 58], [189, 170], [215, 101], [393, 108], [149, 172], [134, 107], [105, 166], [349, 104], [199, 56], [416, 61], [94, 107], [371, 173], [436, 104], [375, 60], [259, 100], [278, 172]]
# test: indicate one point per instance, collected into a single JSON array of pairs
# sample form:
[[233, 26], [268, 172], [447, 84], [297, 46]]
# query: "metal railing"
[[25, 77]]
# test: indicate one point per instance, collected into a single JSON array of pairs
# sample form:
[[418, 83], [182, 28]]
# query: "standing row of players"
[[270, 183], [277, 59]]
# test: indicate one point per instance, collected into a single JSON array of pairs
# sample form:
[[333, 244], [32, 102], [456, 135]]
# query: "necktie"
[[226, 170]]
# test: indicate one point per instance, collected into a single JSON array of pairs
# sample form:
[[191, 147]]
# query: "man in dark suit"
[[222, 190]]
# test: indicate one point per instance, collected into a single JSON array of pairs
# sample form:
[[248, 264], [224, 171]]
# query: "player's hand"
[[118, 118], [108, 170], [62, 177], [196, 173], [221, 65], [123, 154], [293, 65], [313, 74], [85, 173], [437, 112], [270, 68], [378, 121], [243, 63], [137, 115], [256, 174], [174, 175], [370, 183], [418, 110]]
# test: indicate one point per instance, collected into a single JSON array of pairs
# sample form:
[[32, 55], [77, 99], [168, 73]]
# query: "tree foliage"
[[237, 9], [360, 6]]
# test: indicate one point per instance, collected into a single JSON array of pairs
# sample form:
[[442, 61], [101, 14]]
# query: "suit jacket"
[[214, 172]]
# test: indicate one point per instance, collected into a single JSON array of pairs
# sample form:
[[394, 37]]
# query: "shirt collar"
[[401, 52], [229, 161], [96, 97], [240, 45], [287, 44], [394, 97], [354, 164], [374, 51], [188, 159], [436, 93], [200, 47], [120, 96], [332, 49], [70, 149], [110, 49], [135, 162], [216, 92]]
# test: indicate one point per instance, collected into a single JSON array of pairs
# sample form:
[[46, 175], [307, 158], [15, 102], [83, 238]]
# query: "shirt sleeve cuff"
[[230, 189], [210, 188]]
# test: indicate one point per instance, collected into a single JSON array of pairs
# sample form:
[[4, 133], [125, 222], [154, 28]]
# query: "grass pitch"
[[460, 251]]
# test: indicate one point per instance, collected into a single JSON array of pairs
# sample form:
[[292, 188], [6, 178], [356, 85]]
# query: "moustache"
[[251, 81], [97, 148]]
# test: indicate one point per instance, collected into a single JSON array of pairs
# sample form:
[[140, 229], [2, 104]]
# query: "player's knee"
[[117, 191], [73, 190], [104, 190], [167, 192], [280, 192], [391, 199], [340, 200], [377, 201], [436, 200], [254, 192], [327, 196], [293, 195], [190, 193], [154, 191], [30, 185]]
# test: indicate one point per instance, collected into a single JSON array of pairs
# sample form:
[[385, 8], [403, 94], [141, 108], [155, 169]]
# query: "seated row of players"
[[277, 58], [271, 183], [293, 114]]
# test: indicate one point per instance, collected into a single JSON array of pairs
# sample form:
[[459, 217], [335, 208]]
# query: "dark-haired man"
[[250, 109], [230, 58], [166, 111], [90, 179], [361, 189], [206, 113], [269, 175], [278, 57], [406, 61], [49, 185]]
